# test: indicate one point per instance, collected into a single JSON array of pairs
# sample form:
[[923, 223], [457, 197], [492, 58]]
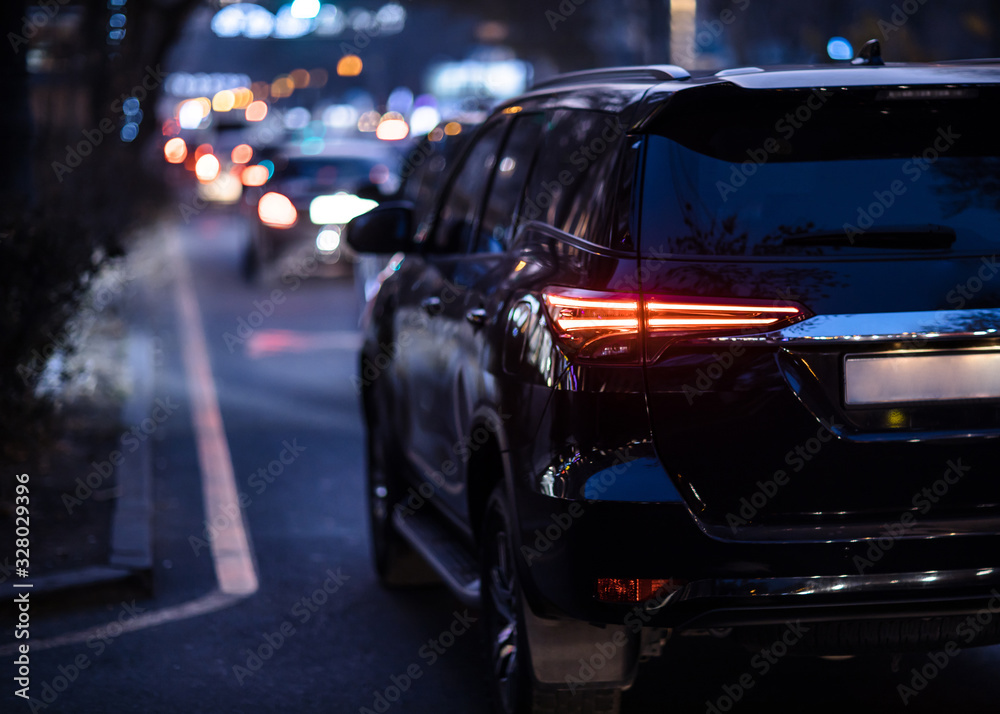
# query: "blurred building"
[[749, 32]]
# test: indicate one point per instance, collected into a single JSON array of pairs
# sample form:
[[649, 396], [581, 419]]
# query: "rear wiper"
[[923, 237]]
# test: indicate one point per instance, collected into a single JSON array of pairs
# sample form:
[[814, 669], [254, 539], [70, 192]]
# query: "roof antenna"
[[869, 54]]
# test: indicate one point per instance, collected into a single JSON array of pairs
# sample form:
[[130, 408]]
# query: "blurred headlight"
[[225, 189], [339, 208], [276, 210], [328, 240]]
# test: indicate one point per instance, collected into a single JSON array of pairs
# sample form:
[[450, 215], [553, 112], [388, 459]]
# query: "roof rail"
[[657, 72], [974, 60]]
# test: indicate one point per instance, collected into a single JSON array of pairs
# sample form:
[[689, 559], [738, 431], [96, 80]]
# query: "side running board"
[[448, 557]]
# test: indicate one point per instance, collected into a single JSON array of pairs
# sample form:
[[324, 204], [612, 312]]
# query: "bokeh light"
[[192, 112], [243, 96], [318, 77], [224, 101], [300, 78], [424, 119], [305, 9], [276, 210], [255, 175], [838, 48], [261, 90], [207, 168], [313, 146], [349, 66], [368, 121], [175, 150], [392, 127], [256, 111], [242, 154], [379, 174], [282, 87]]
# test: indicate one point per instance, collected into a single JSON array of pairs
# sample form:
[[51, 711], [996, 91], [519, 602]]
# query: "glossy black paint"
[[727, 457]]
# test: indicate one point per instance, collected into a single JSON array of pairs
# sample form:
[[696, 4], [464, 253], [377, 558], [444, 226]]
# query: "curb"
[[132, 523]]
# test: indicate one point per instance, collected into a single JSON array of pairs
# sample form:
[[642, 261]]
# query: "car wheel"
[[396, 562], [507, 648]]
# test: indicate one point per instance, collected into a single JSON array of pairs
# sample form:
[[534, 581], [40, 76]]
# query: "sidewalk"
[[90, 494]]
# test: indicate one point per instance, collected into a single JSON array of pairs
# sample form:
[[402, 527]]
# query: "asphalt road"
[[319, 634]]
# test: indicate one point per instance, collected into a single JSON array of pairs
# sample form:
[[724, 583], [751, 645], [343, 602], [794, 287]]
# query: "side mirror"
[[385, 229]]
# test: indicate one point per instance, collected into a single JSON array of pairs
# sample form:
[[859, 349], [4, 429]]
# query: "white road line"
[[234, 564], [211, 602]]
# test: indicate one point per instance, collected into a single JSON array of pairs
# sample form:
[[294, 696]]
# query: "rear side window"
[[824, 173], [454, 230], [575, 174], [424, 169], [508, 184]]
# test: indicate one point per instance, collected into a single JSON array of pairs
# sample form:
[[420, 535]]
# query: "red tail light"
[[595, 325], [605, 326], [276, 210]]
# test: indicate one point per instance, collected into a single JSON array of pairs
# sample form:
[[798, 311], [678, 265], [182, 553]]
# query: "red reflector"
[[634, 590]]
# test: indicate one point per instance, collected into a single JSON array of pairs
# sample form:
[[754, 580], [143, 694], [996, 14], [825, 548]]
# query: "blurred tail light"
[[254, 175], [276, 210], [605, 326], [241, 154], [207, 168], [175, 150]]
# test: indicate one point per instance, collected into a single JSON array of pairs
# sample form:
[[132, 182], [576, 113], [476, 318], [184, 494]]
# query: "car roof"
[[636, 92]]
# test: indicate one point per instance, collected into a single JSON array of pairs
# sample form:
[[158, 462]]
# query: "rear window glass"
[[345, 171], [574, 174], [815, 173]]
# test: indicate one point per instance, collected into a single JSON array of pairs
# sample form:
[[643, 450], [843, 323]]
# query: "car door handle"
[[431, 305], [476, 316]]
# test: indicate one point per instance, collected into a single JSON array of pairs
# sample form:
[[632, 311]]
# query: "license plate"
[[886, 379]]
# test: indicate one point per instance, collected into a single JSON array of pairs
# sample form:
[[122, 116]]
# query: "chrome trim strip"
[[835, 584], [913, 327]]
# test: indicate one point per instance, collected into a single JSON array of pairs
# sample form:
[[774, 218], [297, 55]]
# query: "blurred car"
[[698, 355], [301, 208]]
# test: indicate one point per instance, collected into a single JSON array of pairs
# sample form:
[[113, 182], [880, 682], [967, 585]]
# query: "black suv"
[[714, 353]]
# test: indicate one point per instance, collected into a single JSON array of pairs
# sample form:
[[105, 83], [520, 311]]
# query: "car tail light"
[[595, 325], [207, 168], [605, 326], [634, 589], [276, 210], [252, 176]]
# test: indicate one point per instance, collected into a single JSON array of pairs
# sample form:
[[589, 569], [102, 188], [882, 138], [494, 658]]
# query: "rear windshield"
[[823, 173], [327, 171]]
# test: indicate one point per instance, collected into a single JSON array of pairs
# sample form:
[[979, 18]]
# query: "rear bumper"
[[566, 545]]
